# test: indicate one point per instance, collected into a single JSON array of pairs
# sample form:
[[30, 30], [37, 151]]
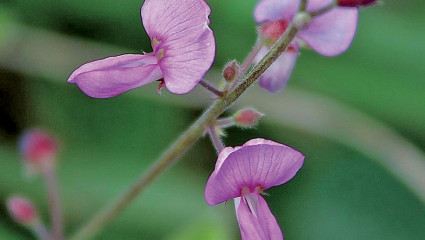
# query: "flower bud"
[[355, 3], [21, 210], [38, 149], [247, 117], [231, 70]]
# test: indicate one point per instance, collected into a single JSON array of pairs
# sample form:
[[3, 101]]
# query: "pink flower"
[[21, 210], [329, 34], [38, 149], [243, 173], [183, 51]]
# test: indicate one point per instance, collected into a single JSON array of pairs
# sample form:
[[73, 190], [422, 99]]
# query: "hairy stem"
[[247, 63], [186, 140], [225, 122], [215, 138], [211, 88], [40, 231]]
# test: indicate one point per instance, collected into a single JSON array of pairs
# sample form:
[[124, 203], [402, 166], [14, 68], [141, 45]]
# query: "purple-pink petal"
[[331, 34], [313, 5], [112, 76], [249, 225], [272, 10], [259, 165], [182, 40], [277, 75], [255, 219]]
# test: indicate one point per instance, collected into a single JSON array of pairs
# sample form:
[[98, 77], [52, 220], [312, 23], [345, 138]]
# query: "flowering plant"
[[183, 50]]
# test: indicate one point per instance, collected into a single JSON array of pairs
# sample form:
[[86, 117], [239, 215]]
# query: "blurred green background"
[[359, 119]]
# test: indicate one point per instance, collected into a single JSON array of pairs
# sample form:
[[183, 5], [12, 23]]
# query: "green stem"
[[185, 141], [54, 202], [303, 6]]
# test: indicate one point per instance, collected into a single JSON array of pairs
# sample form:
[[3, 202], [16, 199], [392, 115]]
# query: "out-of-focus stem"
[[40, 231], [54, 203], [215, 138], [186, 140]]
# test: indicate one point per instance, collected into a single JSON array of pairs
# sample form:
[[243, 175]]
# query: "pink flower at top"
[[243, 173], [38, 149], [328, 34], [183, 51]]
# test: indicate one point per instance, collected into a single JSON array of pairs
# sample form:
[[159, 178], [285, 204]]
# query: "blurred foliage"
[[339, 193]]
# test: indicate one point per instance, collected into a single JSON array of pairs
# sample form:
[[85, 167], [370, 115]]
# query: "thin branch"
[[211, 88], [303, 6], [247, 63], [225, 122], [40, 231], [215, 138]]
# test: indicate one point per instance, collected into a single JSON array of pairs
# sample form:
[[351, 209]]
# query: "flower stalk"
[[211, 88], [215, 138], [50, 177]]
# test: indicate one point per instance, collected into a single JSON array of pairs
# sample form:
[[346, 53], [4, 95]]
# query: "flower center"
[[271, 31], [248, 191], [157, 49], [160, 54]]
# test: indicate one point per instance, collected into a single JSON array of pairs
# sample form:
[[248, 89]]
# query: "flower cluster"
[[329, 34], [183, 50]]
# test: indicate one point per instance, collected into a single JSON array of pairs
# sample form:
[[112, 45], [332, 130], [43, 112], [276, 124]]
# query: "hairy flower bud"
[[22, 210], [355, 3], [247, 117], [38, 149], [230, 71]]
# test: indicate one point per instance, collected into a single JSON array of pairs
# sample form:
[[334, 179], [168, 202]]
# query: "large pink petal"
[[331, 34], [263, 165], [267, 220], [180, 29], [277, 75], [112, 76], [272, 10], [185, 63], [255, 219]]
